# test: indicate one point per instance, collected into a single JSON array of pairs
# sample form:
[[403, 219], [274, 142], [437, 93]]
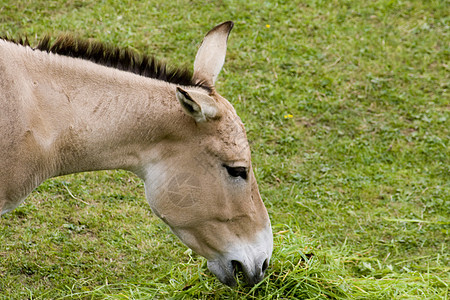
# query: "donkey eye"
[[237, 171]]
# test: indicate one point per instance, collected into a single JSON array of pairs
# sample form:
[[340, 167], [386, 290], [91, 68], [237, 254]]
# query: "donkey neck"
[[108, 119]]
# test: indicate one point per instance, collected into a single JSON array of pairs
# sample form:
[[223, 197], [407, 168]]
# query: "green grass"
[[357, 181]]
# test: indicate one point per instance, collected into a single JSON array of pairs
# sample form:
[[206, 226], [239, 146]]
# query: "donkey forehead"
[[223, 136], [230, 136], [231, 124]]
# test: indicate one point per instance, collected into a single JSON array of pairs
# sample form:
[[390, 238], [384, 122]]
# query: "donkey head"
[[203, 185]]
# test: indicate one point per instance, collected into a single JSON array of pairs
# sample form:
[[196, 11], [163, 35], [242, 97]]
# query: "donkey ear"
[[211, 54], [199, 106]]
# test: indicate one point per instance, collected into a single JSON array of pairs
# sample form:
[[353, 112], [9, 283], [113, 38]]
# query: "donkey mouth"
[[231, 272], [223, 271]]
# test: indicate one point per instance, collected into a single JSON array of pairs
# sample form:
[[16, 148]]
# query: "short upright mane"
[[112, 56]]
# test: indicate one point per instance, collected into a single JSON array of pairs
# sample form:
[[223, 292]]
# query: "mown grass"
[[346, 105]]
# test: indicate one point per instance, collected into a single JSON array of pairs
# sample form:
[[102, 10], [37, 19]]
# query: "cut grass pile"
[[346, 105]]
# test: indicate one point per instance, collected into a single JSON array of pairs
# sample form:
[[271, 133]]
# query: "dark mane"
[[115, 57]]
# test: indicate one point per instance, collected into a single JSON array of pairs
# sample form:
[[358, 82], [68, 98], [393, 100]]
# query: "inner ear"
[[198, 105], [190, 106]]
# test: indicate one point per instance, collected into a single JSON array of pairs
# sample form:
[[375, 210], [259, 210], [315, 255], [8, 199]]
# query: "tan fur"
[[60, 115]]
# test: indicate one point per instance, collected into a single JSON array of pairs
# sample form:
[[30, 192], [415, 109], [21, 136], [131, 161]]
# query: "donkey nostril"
[[237, 268], [265, 265], [253, 276]]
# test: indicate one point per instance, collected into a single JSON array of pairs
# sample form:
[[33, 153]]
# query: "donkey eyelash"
[[236, 171]]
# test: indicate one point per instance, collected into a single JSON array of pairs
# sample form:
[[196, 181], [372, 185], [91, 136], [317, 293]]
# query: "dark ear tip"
[[230, 24], [225, 26]]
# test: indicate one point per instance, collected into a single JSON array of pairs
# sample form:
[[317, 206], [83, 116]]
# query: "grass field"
[[347, 109]]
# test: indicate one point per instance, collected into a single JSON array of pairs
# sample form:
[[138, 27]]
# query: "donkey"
[[74, 105]]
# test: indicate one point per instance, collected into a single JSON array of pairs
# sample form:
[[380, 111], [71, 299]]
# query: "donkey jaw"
[[252, 259]]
